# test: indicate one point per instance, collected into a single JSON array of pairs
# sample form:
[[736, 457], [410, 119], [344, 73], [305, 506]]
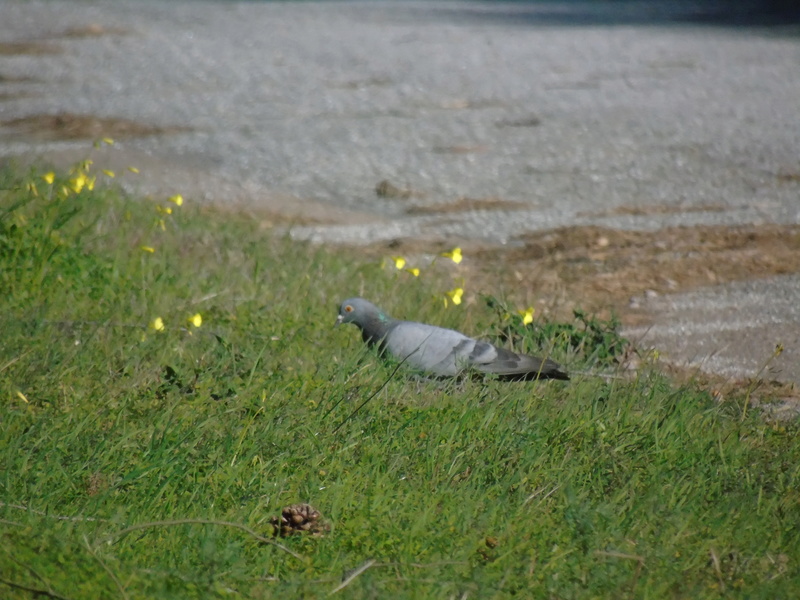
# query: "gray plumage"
[[438, 351]]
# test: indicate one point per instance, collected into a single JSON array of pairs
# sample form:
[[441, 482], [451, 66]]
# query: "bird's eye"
[[348, 308]]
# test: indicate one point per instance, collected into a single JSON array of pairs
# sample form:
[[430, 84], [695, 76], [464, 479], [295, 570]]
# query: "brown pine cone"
[[299, 518]]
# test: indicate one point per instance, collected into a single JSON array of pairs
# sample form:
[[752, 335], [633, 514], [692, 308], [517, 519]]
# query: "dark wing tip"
[[533, 375], [510, 366], [556, 374], [551, 370]]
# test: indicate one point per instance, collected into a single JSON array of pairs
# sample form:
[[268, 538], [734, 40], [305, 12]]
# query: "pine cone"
[[299, 518]]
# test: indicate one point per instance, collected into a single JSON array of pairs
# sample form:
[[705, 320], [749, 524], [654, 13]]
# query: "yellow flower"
[[414, 271], [195, 320], [167, 210], [108, 141], [109, 173], [399, 262], [454, 255], [149, 249], [454, 295], [527, 315], [90, 183], [78, 182], [157, 324], [49, 177], [177, 199], [133, 170]]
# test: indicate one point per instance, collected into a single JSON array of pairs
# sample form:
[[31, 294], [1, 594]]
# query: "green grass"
[[586, 489]]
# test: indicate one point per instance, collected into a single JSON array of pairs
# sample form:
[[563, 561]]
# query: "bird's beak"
[[339, 320]]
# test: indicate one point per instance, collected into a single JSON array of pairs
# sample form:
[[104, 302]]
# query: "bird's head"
[[358, 311]]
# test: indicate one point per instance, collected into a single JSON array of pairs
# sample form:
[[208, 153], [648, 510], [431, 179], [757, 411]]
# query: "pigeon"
[[438, 351]]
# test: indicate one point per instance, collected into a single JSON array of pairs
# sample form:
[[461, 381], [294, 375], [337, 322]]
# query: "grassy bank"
[[170, 381]]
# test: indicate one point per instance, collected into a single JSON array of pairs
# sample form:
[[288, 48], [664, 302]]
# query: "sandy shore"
[[488, 127]]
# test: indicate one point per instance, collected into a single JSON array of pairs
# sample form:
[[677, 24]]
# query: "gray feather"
[[439, 351]]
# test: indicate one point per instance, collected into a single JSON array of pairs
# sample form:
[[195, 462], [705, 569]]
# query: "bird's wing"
[[499, 361], [428, 348]]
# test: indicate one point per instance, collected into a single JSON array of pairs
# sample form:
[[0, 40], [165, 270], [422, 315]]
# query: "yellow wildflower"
[[195, 320], [157, 324], [109, 173], [399, 262], [108, 141], [149, 249], [454, 295], [78, 182], [454, 255], [49, 177], [167, 210], [90, 183], [414, 271], [177, 199], [133, 170], [527, 315]]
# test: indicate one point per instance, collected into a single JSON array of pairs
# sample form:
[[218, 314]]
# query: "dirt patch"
[[465, 204], [69, 126], [656, 209], [601, 270], [30, 48], [92, 30], [4, 96], [43, 47], [532, 121], [286, 211], [358, 84], [15, 79], [386, 189], [788, 176]]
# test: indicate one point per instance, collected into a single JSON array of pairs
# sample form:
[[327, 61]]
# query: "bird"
[[438, 351]]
